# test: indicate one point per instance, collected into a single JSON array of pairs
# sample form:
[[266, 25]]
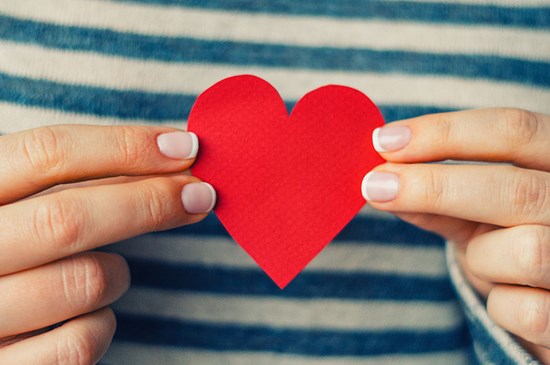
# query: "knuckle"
[[156, 203], [59, 221], [533, 316], [531, 254], [44, 149], [520, 126], [529, 194], [131, 144], [77, 348], [434, 189], [84, 281], [445, 126]]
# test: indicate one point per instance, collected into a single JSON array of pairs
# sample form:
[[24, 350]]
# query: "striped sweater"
[[383, 292]]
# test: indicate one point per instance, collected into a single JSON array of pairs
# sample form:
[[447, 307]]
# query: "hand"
[[498, 215], [46, 277]]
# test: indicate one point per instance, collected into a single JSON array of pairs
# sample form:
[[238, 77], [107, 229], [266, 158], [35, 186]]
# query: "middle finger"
[[56, 225], [500, 195]]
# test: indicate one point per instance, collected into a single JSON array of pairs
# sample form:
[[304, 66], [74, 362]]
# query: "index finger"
[[37, 159], [497, 135]]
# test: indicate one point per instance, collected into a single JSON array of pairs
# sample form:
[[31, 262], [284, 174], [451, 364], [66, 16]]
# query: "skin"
[[498, 215], [66, 190], [58, 206]]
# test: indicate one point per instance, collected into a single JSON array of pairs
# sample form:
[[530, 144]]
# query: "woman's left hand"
[[497, 214]]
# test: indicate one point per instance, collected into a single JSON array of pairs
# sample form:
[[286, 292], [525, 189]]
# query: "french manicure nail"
[[179, 145], [198, 197], [380, 186], [391, 138]]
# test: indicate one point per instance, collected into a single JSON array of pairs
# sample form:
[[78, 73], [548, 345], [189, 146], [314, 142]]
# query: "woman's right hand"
[[47, 273]]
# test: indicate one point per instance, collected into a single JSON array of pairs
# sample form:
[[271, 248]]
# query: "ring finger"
[[60, 290], [518, 255]]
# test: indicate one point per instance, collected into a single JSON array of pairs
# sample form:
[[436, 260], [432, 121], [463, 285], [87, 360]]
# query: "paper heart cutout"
[[286, 185]]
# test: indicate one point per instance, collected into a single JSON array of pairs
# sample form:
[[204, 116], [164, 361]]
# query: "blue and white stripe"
[[380, 293]]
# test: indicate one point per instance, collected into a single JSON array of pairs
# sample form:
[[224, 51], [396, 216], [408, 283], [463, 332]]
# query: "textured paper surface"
[[286, 185]]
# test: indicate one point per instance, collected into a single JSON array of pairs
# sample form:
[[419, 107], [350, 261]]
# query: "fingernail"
[[380, 186], [198, 197], [180, 145], [391, 138]]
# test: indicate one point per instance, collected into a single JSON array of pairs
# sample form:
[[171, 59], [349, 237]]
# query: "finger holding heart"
[[498, 214], [66, 190], [472, 197]]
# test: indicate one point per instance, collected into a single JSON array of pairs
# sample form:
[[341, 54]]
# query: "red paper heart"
[[286, 184]]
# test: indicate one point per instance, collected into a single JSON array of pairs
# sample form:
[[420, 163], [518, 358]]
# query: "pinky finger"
[[524, 311], [81, 341]]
